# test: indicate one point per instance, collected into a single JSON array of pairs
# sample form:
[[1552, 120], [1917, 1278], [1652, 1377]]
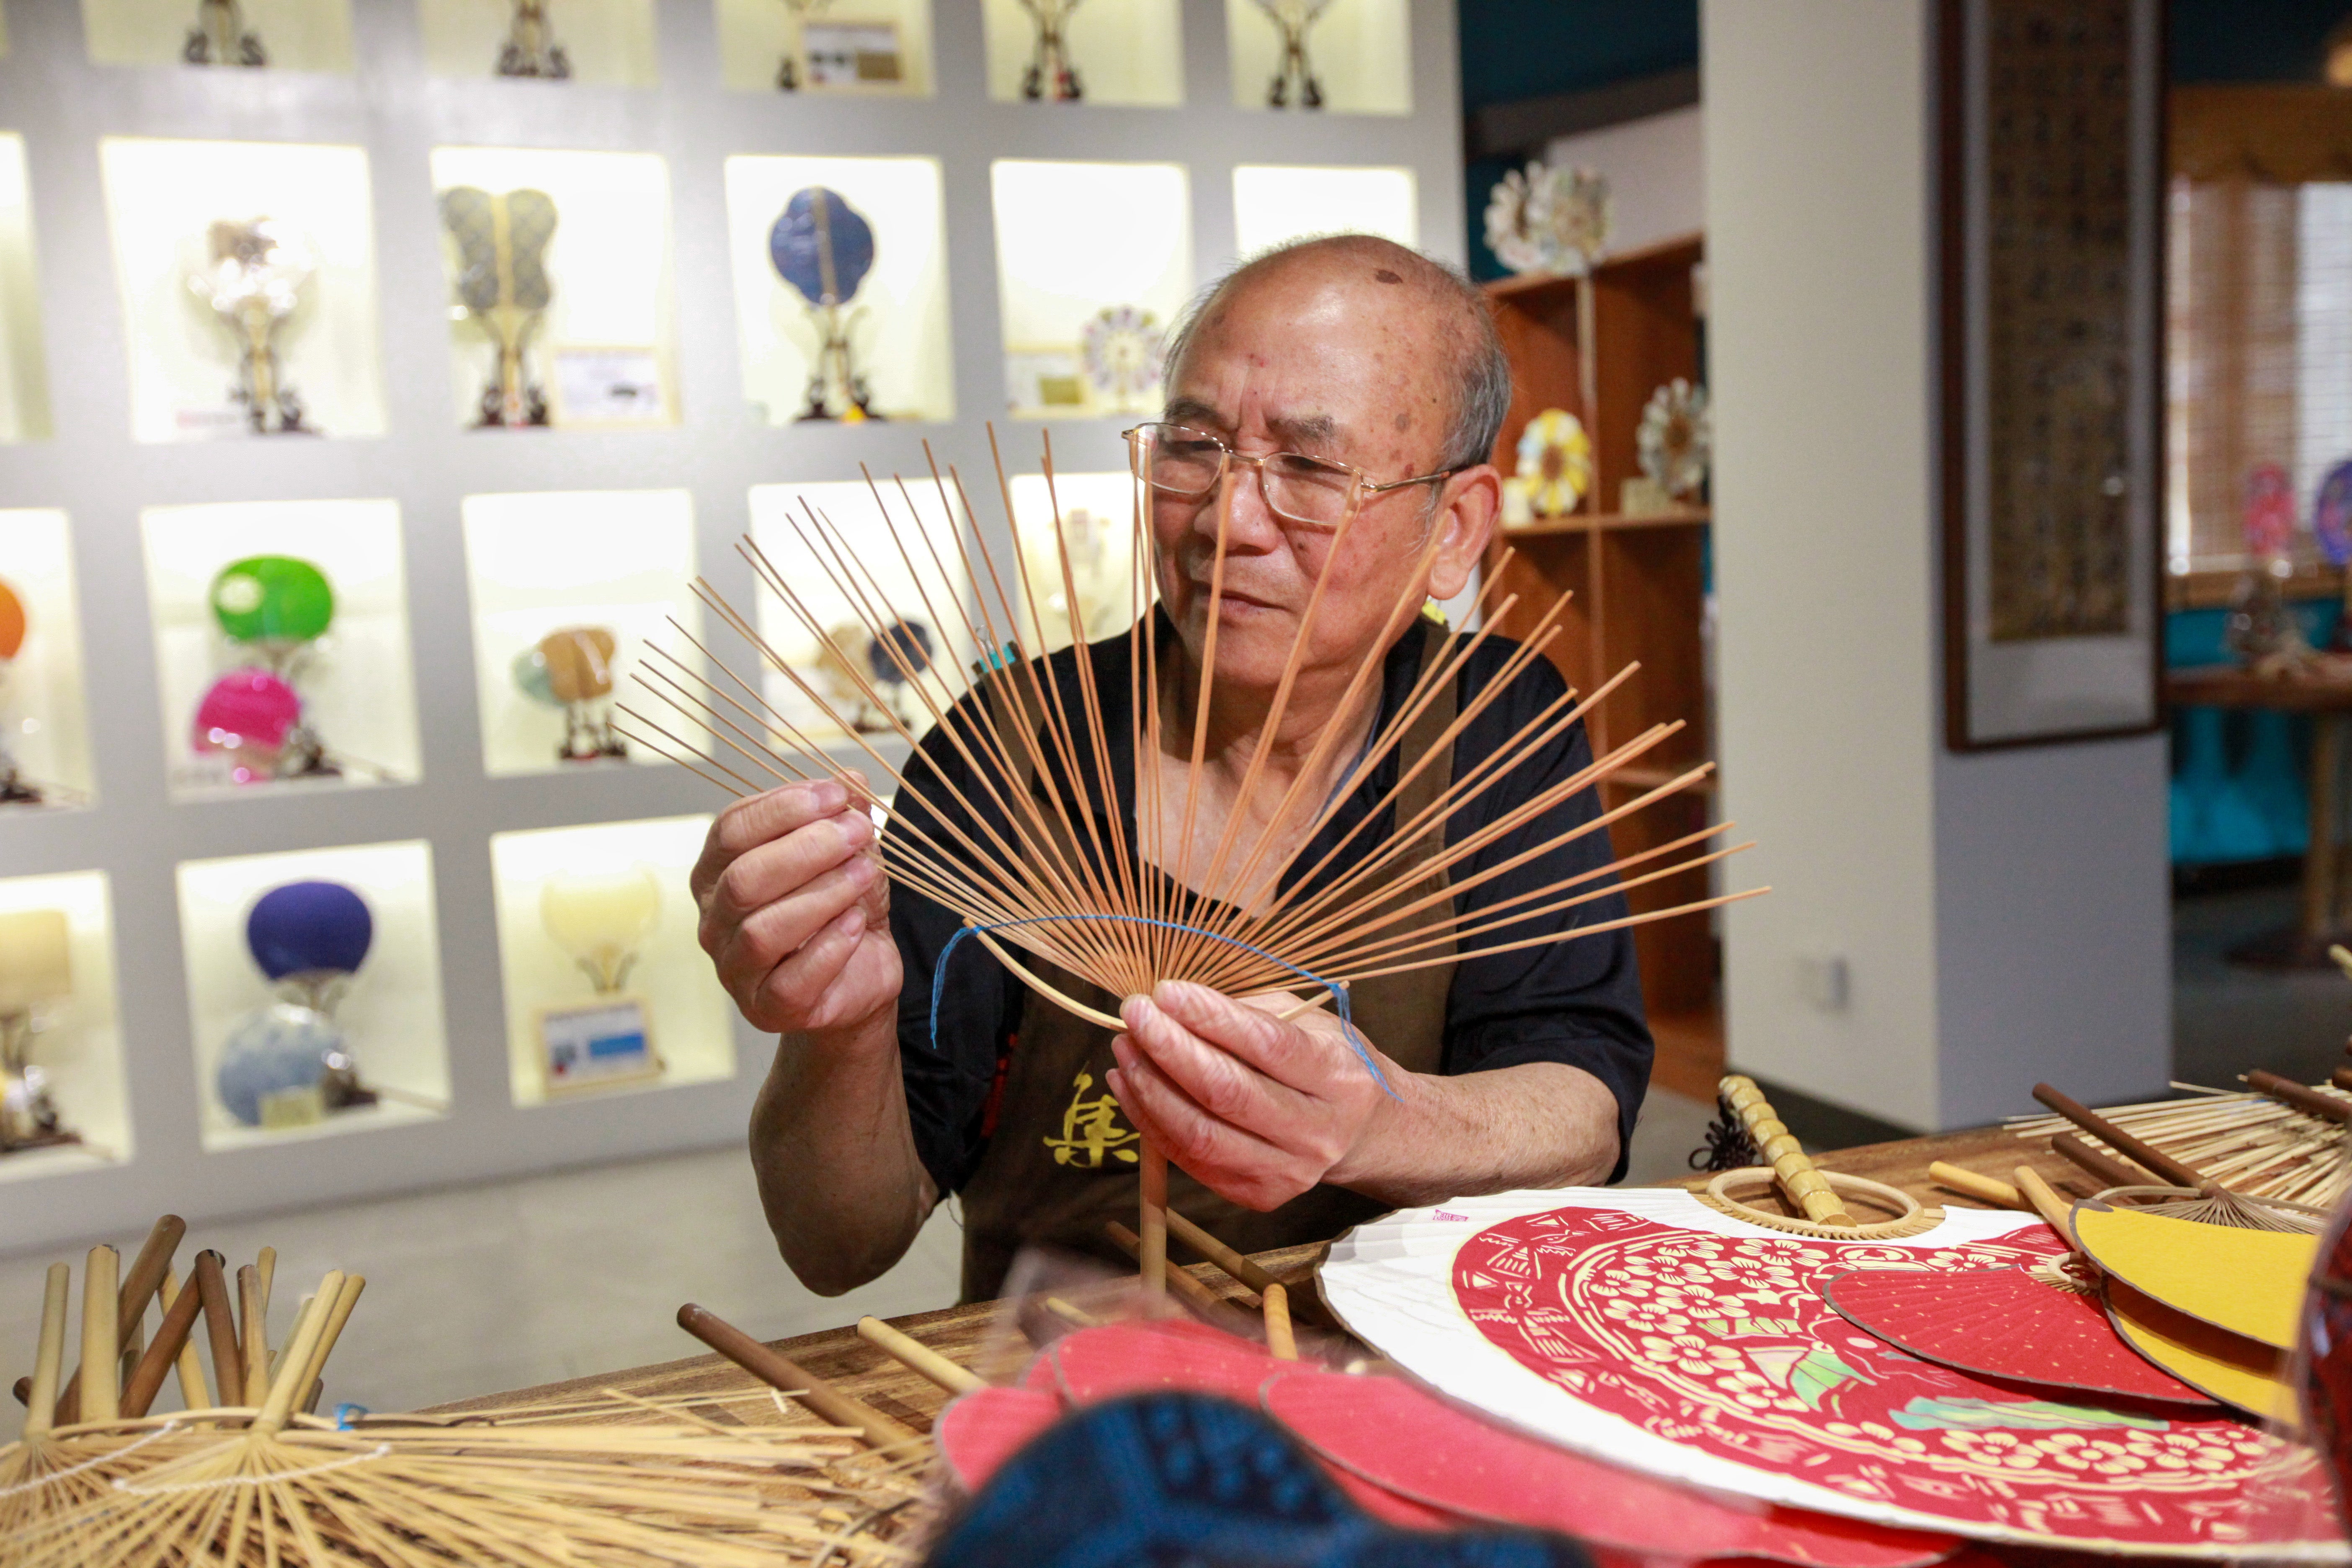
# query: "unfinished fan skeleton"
[[1118, 909]]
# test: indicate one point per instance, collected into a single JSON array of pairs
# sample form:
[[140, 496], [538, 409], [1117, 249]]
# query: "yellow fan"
[[2249, 1282]]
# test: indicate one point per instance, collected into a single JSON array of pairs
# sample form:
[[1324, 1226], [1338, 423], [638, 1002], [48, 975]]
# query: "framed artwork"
[[2050, 130]]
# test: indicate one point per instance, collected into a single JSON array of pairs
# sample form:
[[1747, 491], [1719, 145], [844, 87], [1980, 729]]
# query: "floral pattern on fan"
[[1724, 1343], [1122, 347], [1550, 220]]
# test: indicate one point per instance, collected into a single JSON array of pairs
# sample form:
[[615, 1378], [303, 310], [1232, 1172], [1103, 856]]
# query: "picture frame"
[[603, 1043], [2052, 447]]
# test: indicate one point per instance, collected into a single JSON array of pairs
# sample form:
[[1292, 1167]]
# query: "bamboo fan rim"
[[1043, 874], [1729, 1191]]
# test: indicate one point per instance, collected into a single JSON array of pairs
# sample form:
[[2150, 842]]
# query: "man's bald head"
[[1460, 327]]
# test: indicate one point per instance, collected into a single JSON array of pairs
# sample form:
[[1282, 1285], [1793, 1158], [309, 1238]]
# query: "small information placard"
[[853, 53], [597, 1045], [609, 386]]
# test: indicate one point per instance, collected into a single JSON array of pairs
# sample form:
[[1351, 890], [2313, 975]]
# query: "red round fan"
[[2004, 1323]]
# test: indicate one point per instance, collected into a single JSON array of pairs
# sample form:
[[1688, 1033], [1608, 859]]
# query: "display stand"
[[75, 1040], [390, 1016], [660, 978], [595, 43], [1095, 530], [1598, 347], [598, 354], [616, 560], [1084, 324], [273, 35], [1274, 205], [1107, 51], [1350, 56], [889, 329], [934, 645], [357, 694], [24, 372], [44, 717], [300, 355]]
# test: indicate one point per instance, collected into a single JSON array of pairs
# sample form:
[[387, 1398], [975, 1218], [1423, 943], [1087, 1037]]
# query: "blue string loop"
[[1339, 992]]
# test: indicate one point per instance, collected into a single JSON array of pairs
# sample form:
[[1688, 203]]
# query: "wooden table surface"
[[975, 1335]]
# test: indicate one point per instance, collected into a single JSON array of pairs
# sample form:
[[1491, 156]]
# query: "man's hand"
[[1258, 1109], [795, 910]]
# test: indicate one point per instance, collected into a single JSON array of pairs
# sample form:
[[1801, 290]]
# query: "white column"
[[1944, 929]]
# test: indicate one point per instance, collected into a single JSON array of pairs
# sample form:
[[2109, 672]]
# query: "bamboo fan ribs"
[[2278, 1140], [1069, 874]]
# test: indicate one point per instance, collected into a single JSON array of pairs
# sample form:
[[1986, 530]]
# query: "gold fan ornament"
[[1554, 467], [1549, 221], [1675, 441]]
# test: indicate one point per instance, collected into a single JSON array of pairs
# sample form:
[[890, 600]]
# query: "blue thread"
[[346, 1412], [1339, 992]]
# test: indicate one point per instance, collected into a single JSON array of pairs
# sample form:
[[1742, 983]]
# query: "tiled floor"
[[474, 1290]]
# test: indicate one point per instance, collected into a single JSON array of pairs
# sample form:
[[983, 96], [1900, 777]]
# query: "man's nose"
[[1250, 524]]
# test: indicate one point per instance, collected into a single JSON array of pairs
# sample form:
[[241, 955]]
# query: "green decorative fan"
[[502, 279]]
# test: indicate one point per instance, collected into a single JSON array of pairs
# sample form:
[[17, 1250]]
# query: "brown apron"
[[1062, 1159]]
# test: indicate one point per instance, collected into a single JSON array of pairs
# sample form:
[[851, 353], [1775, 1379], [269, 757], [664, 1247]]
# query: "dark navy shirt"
[[1578, 1002]]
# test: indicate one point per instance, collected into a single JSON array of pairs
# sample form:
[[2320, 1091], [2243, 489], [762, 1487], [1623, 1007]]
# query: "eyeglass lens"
[[1187, 463]]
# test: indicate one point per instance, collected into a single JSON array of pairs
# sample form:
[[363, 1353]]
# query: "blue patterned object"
[[305, 928], [822, 245], [1185, 1479], [271, 1050]]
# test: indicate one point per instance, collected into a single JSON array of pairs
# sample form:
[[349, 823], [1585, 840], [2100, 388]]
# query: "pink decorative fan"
[[248, 713], [1390, 1432], [2004, 1323]]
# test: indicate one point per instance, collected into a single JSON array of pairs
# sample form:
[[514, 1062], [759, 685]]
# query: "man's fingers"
[[1224, 1084], [755, 945], [774, 870], [1229, 1160], [812, 985], [1275, 1048], [761, 819]]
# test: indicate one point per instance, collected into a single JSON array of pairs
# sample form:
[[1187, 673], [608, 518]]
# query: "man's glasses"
[[1178, 460]]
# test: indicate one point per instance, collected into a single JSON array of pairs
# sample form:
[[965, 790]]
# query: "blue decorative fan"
[[822, 245], [308, 928]]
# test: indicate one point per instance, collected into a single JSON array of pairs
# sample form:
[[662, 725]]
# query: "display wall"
[[24, 375], [475, 537]]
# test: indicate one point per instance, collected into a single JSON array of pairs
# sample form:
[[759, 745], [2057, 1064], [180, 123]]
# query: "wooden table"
[[972, 1334], [2325, 694]]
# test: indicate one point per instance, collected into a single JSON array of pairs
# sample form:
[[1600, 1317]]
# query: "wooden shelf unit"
[[1598, 347]]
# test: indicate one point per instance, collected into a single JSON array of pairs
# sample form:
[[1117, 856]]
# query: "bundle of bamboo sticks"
[[254, 1482], [2277, 1139], [1136, 904]]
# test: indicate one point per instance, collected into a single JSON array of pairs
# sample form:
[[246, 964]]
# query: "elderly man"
[[1334, 374]]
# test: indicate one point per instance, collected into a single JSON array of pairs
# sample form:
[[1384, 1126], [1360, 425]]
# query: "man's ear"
[[1468, 505]]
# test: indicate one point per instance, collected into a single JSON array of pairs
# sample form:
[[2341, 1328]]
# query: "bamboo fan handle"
[[277, 1408], [919, 1357], [1983, 1188], [253, 1326], [145, 1275], [2104, 1169], [2290, 1092], [1218, 1253], [265, 1264], [194, 1393], [171, 1340], [1805, 1185], [220, 1329], [41, 1410], [338, 1313], [101, 1338], [1279, 1341], [2115, 1138], [787, 1376], [2053, 1209], [1151, 1240]]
